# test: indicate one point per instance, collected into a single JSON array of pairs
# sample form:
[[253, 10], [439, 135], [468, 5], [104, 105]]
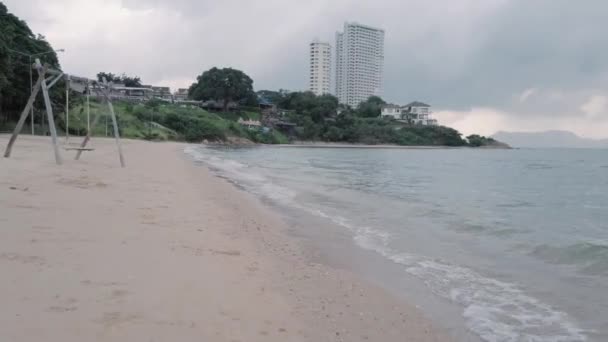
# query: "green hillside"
[[157, 120]]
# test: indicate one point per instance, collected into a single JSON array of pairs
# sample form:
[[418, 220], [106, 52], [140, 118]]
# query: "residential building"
[[250, 124], [162, 93], [216, 105], [391, 111], [181, 94], [144, 93], [119, 91], [359, 63], [320, 67], [416, 113]]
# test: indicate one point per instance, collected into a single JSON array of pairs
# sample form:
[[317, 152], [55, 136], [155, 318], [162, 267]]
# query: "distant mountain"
[[548, 139]]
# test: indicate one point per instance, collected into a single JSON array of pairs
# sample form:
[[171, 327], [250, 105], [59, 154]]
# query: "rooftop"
[[391, 105], [354, 23], [417, 104]]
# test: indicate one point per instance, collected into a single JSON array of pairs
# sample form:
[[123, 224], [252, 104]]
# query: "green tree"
[[15, 35], [110, 77], [224, 85], [476, 140], [307, 104], [152, 106], [371, 108], [273, 97], [128, 81], [325, 106]]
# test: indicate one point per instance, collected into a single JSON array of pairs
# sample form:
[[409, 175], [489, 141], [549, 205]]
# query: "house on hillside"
[[118, 91], [162, 93], [390, 110], [250, 124], [213, 105], [181, 95], [266, 104], [417, 113]]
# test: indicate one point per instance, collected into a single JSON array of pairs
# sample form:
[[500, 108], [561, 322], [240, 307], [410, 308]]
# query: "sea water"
[[515, 240]]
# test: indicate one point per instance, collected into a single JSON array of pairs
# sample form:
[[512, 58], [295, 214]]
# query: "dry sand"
[[164, 251]]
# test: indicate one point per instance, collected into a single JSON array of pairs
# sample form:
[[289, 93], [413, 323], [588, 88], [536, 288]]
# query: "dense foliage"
[[157, 120], [371, 108], [128, 81], [224, 85], [321, 118], [475, 140], [15, 35]]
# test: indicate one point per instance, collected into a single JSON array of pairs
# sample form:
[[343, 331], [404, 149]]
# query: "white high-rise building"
[[359, 63], [320, 67]]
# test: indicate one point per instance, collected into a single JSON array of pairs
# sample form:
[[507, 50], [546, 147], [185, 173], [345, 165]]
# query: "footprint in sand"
[[26, 206], [112, 319], [64, 305], [119, 294], [101, 283], [24, 259], [229, 252], [62, 309], [82, 183]]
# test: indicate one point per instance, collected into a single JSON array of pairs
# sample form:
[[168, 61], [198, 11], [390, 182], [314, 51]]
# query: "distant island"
[[548, 139]]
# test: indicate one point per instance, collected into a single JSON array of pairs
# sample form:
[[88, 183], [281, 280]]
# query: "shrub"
[[200, 130]]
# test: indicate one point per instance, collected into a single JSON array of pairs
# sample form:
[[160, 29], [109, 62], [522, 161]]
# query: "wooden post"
[[88, 107], [27, 111], [88, 136], [31, 91], [116, 133], [49, 112], [114, 122], [67, 108]]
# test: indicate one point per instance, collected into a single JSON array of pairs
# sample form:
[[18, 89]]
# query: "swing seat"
[[79, 149]]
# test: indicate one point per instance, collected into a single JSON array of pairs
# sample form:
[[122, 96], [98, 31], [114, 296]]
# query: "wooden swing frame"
[[43, 83]]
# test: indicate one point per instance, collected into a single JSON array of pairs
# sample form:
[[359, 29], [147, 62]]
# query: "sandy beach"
[[164, 251]]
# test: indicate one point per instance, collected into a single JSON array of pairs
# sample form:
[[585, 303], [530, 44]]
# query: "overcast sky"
[[484, 65]]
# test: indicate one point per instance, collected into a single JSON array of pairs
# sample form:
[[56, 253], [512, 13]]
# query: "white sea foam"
[[496, 311], [240, 173]]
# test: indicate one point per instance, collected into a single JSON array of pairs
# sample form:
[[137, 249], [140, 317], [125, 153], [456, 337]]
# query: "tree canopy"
[[271, 95], [15, 35], [476, 140], [128, 81], [224, 85], [323, 118], [371, 108]]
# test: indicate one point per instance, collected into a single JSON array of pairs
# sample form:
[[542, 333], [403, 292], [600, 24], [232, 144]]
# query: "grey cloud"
[[454, 54], [549, 44]]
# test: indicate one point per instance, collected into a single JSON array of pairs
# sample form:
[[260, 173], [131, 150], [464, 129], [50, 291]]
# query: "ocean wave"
[[591, 256], [240, 174], [493, 309], [496, 229], [539, 166], [516, 204]]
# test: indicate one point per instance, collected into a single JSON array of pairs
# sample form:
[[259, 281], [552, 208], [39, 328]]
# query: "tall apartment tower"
[[359, 63], [320, 67]]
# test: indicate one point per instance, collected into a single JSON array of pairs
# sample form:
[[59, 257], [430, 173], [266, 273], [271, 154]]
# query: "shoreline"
[[384, 146], [312, 144], [165, 250]]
